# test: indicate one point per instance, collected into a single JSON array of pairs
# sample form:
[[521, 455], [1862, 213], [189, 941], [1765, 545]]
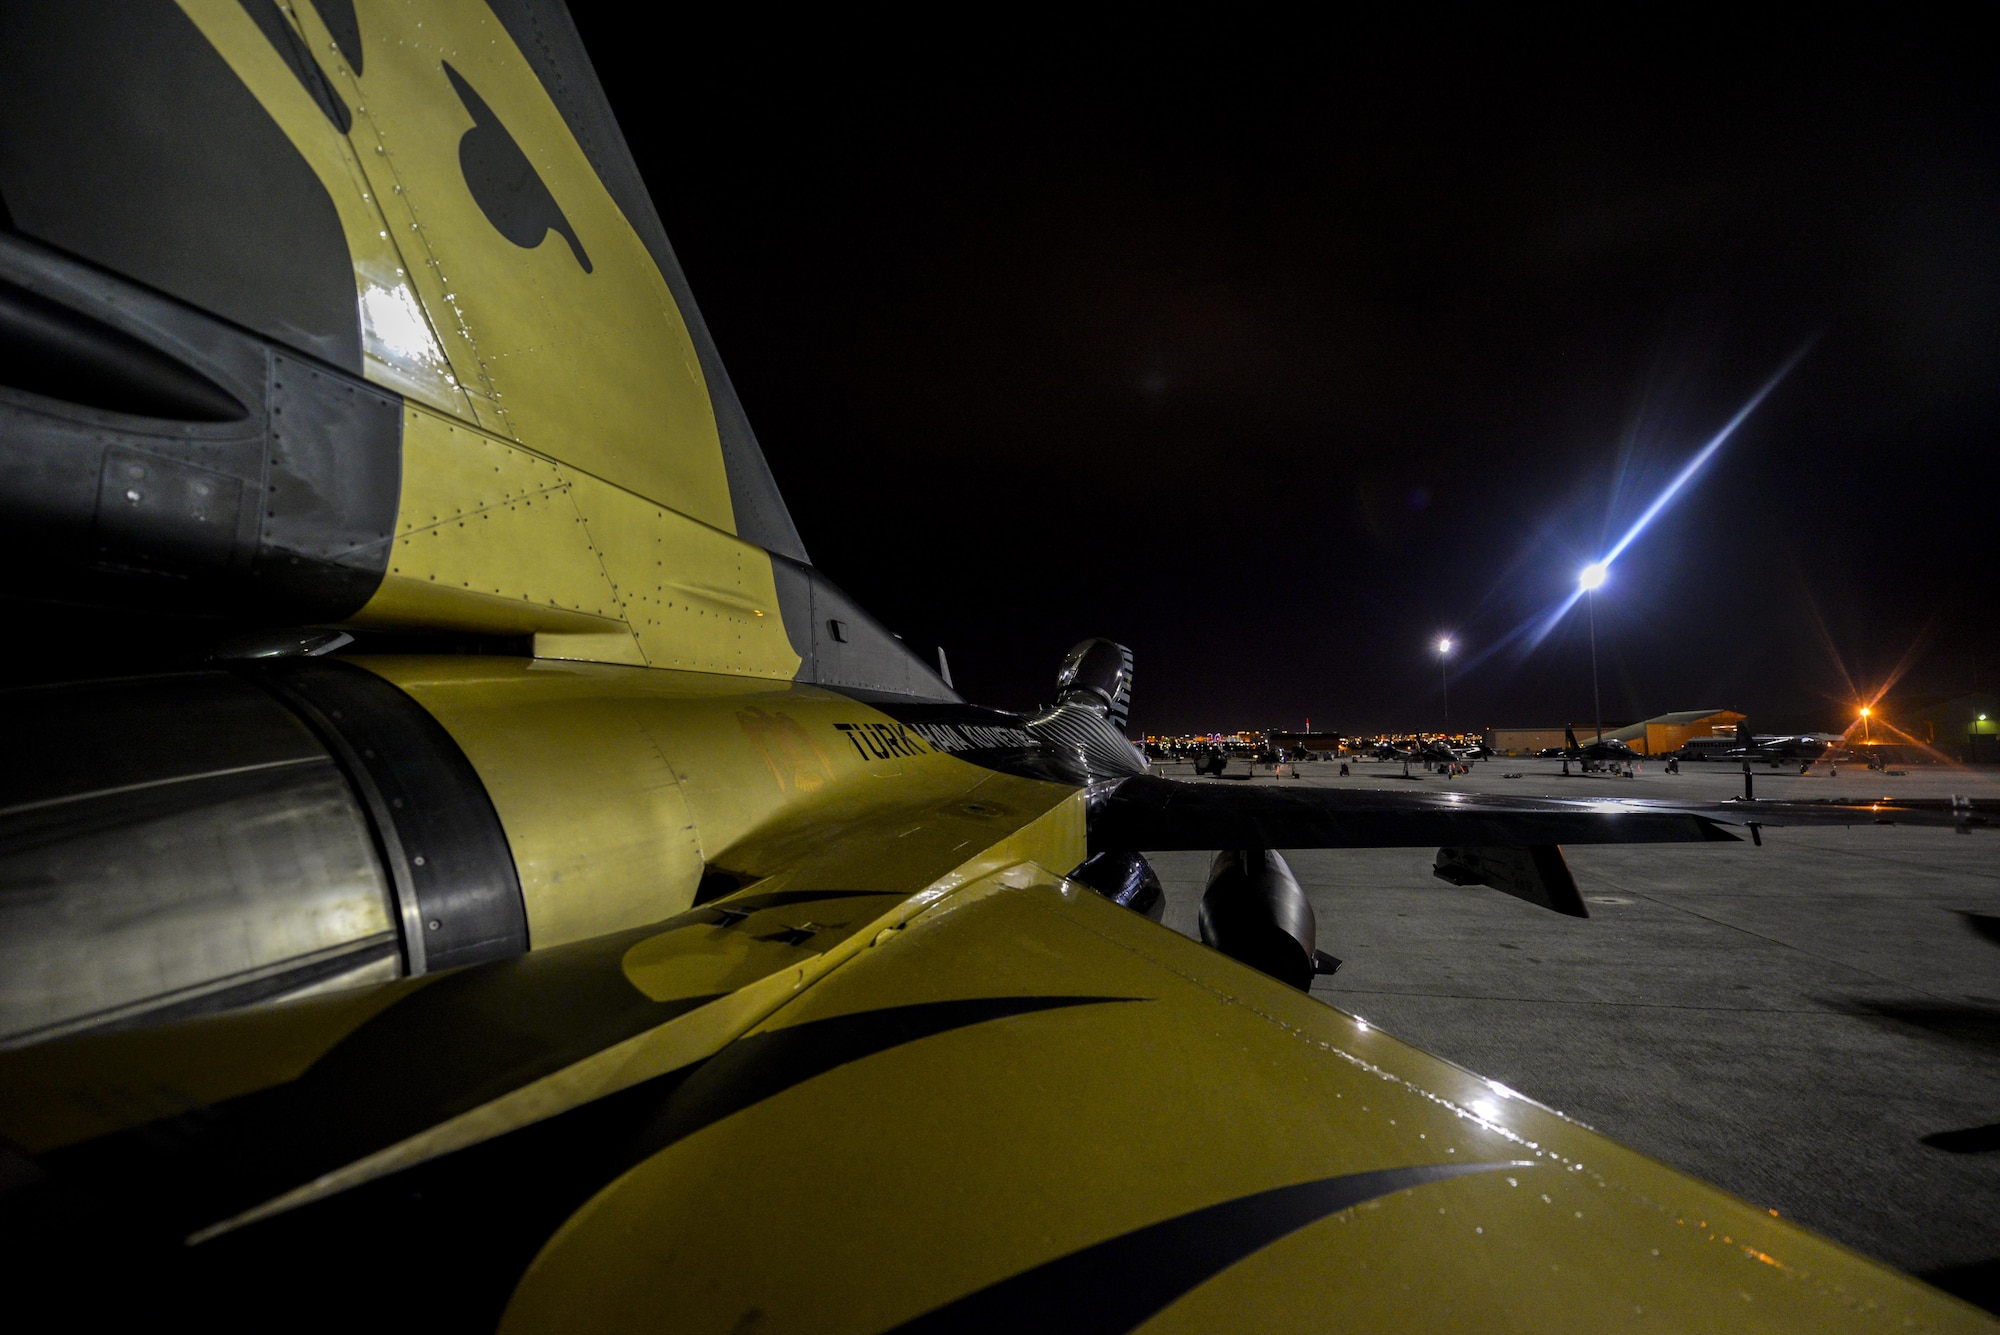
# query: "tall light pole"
[[1592, 579], [1444, 680]]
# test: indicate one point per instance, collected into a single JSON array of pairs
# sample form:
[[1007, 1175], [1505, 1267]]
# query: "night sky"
[[1275, 364]]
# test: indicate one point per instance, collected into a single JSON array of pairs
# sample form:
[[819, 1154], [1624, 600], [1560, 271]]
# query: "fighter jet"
[[1211, 760], [1601, 752], [1430, 752], [543, 899], [1803, 749]]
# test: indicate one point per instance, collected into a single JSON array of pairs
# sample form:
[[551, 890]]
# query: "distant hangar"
[[1653, 737]]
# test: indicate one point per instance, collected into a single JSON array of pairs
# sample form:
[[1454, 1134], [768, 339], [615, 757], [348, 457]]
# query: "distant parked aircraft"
[[1607, 751], [1806, 748]]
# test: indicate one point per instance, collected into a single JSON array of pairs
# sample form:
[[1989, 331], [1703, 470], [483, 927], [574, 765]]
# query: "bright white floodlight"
[[1592, 576], [1444, 646]]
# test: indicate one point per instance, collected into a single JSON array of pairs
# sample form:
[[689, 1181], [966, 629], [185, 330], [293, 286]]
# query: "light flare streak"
[[1702, 456], [1600, 568], [1867, 704]]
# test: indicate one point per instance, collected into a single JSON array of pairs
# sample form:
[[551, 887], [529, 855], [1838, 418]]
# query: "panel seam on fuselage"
[[572, 472], [604, 572], [463, 515]]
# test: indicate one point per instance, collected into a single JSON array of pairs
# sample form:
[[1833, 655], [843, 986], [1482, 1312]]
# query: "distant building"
[[1670, 732], [1319, 743], [1654, 737], [1522, 741], [1964, 727]]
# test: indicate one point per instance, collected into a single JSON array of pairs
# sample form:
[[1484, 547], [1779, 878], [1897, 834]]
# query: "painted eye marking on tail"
[[1122, 1282], [504, 183]]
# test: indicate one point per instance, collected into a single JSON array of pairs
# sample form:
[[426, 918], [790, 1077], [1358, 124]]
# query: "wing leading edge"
[[1148, 812]]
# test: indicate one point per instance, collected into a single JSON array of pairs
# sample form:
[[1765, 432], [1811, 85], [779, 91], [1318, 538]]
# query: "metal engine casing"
[[180, 844]]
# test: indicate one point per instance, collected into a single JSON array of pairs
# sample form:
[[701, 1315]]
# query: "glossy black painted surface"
[[1254, 911], [1098, 672]]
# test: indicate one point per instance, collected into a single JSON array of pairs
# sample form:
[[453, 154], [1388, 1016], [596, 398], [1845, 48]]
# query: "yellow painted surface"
[[746, 969], [617, 785], [601, 835], [679, 1042], [908, 1177], [492, 537], [593, 367], [562, 473], [409, 357], [934, 1168]]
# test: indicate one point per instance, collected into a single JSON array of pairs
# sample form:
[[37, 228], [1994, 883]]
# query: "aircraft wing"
[[1152, 813], [1003, 1103]]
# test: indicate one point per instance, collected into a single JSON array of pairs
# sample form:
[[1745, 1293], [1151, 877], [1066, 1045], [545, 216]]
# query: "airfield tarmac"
[[1813, 1025]]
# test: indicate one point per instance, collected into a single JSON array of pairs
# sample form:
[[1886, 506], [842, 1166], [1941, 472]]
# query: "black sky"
[[1274, 359]]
